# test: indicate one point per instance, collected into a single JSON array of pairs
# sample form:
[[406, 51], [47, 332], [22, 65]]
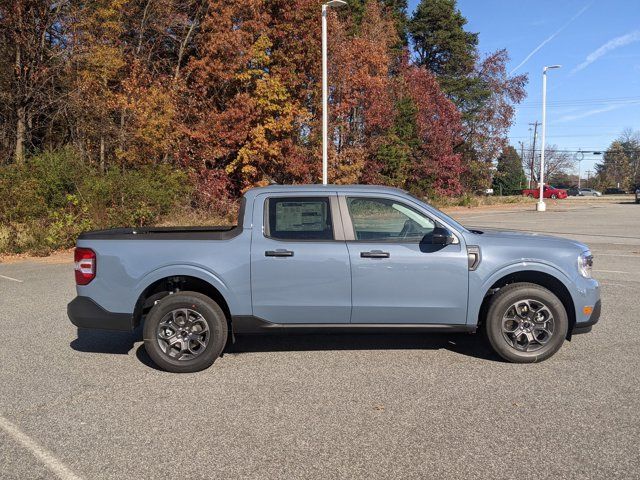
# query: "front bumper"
[[585, 327], [85, 313], [588, 296]]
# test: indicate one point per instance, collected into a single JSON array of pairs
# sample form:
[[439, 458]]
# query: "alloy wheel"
[[183, 334], [528, 325]]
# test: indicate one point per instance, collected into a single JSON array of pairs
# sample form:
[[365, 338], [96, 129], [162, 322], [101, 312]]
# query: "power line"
[[524, 123], [586, 151], [583, 102], [569, 135], [566, 105]]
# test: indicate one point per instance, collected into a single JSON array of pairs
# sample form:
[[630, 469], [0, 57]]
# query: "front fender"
[[479, 286]]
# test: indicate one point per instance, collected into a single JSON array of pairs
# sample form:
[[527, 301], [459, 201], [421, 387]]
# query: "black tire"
[[554, 196], [209, 311], [503, 300], [530, 195]]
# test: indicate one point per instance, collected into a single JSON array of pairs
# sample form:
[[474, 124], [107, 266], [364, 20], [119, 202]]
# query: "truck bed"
[[164, 233]]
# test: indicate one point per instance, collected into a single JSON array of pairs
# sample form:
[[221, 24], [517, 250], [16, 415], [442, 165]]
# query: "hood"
[[490, 235]]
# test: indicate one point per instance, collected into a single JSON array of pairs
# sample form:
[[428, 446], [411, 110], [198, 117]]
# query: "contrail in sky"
[[550, 37], [588, 113], [607, 47]]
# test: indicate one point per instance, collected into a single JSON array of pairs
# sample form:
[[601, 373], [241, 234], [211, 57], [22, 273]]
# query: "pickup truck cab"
[[332, 258], [548, 192]]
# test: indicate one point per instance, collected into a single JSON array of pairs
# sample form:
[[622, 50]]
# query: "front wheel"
[[525, 323], [185, 332], [554, 196]]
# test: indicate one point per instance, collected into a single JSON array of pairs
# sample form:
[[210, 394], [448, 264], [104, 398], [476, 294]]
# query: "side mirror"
[[438, 236]]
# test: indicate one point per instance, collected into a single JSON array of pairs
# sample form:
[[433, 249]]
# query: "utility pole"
[[588, 172], [533, 151], [521, 159]]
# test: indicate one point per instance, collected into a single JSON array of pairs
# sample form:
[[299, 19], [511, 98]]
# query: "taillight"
[[85, 259]]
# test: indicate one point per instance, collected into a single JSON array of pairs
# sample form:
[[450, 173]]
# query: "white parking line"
[[611, 271], [45, 456], [10, 278]]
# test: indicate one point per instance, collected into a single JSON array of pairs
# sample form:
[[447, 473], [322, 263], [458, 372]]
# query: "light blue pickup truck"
[[318, 258]]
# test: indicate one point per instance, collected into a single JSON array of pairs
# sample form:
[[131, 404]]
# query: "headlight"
[[585, 264]]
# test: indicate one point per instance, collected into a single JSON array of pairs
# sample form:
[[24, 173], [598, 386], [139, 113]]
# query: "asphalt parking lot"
[[91, 406]]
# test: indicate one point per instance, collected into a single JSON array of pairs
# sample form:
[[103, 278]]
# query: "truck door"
[[300, 270], [396, 277]]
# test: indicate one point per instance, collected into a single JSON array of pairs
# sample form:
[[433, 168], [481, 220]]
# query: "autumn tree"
[[481, 88], [95, 73], [487, 119], [438, 168], [32, 40], [230, 92], [361, 101]]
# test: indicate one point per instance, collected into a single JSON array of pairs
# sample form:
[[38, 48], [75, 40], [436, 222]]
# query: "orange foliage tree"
[[230, 92]]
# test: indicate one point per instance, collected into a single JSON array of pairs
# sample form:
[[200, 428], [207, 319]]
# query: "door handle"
[[374, 254], [278, 253]]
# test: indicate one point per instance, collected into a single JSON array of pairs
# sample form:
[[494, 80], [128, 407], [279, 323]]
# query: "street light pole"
[[541, 206], [579, 158], [325, 88]]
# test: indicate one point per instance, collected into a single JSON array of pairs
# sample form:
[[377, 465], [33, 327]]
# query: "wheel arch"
[[167, 285], [538, 277]]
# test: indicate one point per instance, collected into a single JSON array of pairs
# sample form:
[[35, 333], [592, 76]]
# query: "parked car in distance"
[[638, 194], [549, 192], [573, 191], [314, 258], [614, 191], [589, 192]]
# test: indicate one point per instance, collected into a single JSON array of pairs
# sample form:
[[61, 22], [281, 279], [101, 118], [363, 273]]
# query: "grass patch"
[[472, 201]]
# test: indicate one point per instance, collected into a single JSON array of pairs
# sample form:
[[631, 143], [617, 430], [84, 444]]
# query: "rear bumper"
[[85, 313]]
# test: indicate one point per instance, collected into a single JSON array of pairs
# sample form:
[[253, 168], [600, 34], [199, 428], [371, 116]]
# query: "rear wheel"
[[525, 323], [554, 196], [530, 195], [185, 332]]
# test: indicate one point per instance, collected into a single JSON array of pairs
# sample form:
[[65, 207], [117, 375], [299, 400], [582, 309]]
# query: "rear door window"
[[299, 218]]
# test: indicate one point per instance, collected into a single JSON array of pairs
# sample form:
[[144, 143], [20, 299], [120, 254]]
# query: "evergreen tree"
[[395, 154], [509, 178], [448, 51], [615, 170], [439, 39]]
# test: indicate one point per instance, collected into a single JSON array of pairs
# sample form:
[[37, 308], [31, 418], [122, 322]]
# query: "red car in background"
[[549, 192]]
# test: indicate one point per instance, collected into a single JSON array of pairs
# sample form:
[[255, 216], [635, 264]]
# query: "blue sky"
[[596, 94]]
